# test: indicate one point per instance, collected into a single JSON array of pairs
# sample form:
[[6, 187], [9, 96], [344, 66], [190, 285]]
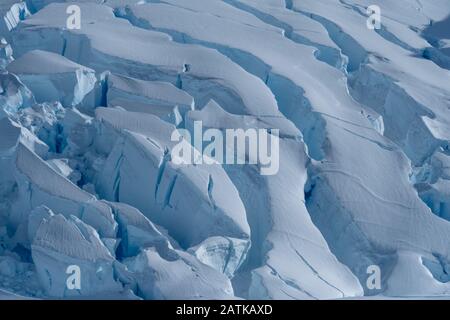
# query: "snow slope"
[[87, 177], [53, 77]]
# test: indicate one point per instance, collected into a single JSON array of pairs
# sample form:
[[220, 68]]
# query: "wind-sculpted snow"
[[159, 98], [175, 277], [50, 75], [286, 227], [154, 57], [139, 171], [91, 119], [53, 245]]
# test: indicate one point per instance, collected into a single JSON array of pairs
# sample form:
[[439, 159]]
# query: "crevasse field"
[[93, 205]]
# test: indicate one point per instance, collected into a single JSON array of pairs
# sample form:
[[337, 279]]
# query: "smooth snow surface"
[[88, 178]]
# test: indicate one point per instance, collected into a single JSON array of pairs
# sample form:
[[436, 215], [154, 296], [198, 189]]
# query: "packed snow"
[[94, 205]]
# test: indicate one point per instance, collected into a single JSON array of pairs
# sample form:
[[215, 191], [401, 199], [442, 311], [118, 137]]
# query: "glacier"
[[89, 188]]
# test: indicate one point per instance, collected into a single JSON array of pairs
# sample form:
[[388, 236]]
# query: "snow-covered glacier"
[[118, 118]]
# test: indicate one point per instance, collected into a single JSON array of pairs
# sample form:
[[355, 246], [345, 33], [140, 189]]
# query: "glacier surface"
[[93, 205]]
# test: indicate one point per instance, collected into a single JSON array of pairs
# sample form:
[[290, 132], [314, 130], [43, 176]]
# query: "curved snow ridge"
[[383, 56], [58, 235], [141, 160], [38, 62], [268, 63], [297, 28], [50, 76], [422, 130], [158, 59], [39, 185], [285, 221]]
